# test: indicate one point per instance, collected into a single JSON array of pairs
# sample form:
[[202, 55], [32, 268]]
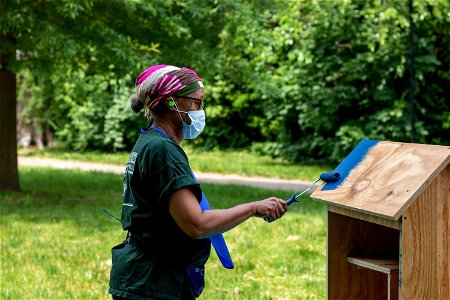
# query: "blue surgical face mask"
[[198, 122]]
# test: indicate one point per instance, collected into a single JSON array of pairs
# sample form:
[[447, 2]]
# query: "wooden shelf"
[[387, 266]]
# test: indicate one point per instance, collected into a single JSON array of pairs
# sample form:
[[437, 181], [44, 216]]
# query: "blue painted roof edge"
[[350, 162]]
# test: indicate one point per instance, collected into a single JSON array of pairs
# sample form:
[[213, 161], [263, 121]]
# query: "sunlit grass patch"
[[56, 241]]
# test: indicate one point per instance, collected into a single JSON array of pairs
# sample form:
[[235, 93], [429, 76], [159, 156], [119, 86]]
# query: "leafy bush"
[[303, 80], [310, 79]]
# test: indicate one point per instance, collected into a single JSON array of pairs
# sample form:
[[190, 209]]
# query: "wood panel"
[[352, 282], [347, 236], [388, 179], [393, 286], [365, 217], [425, 243]]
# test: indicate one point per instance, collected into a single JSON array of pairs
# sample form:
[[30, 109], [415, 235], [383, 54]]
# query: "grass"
[[56, 241], [224, 162]]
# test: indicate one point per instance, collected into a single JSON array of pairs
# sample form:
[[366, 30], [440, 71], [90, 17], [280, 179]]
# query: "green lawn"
[[224, 162], [56, 240]]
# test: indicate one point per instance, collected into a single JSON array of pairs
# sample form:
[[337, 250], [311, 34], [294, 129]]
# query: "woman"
[[167, 229]]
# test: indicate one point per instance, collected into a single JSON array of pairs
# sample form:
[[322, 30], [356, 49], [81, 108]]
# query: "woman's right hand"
[[271, 207], [198, 223]]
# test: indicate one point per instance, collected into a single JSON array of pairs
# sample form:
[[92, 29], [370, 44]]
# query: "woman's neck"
[[168, 130]]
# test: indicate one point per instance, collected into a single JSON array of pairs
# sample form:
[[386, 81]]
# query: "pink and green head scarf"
[[160, 82]]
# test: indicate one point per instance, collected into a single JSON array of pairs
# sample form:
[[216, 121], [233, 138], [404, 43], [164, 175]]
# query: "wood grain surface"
[[388, 179], [425, 243], [357, 238], [365, 217]]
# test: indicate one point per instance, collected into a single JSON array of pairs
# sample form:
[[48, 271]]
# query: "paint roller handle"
[[292, 199], [327, 177]]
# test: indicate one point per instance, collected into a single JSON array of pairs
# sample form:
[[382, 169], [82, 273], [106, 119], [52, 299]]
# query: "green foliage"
[[303, 80], [98, 112], [318, 76], [78, 60]]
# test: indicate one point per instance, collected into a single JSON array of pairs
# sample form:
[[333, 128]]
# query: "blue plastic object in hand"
[[292, 199]]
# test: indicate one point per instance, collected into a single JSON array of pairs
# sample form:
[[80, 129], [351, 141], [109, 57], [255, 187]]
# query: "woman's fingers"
[[272, 207], [281, 209]]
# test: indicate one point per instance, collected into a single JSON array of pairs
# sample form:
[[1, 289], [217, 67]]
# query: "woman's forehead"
[[199, 94]]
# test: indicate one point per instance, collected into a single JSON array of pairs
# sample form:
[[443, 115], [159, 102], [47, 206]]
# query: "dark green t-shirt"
[[157, 167]]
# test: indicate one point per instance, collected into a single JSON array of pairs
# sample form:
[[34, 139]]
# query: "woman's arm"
[[185, 210]]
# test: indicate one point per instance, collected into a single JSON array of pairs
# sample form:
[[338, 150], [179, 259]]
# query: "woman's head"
[[158, 84]]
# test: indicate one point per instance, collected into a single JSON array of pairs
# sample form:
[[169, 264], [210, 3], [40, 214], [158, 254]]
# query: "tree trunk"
[[38, 135], [9, 174], [51, 143]]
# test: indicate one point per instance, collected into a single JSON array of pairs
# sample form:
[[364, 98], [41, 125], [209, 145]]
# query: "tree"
[[9, 176], [58, 41], [316, 77], [34, 35]]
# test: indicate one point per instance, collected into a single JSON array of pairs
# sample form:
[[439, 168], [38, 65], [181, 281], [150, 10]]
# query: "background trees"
[[304, 80], [75, 62], [315, 77]]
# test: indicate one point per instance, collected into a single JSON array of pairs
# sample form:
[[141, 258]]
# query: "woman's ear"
[[171, 103]]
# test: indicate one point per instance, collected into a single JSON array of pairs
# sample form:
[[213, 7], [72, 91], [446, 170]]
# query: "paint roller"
[[326, 177]]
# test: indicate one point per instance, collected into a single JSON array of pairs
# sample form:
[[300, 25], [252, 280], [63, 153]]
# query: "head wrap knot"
[[158, 83]]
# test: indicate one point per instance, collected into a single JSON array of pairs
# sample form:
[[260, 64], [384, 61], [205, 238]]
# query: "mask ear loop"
[[178, 111]]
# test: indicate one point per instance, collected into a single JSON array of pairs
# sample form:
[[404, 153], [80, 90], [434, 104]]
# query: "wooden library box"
[[388, 226]]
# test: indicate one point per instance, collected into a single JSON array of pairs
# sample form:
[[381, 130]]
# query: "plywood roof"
[[389, 178]]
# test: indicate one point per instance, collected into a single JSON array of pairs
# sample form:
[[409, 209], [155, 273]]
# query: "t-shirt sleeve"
[[169, 171], [175, 177]]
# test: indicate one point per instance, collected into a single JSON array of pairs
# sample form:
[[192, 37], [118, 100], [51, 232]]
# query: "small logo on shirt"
[[131, 163], [128, 171]]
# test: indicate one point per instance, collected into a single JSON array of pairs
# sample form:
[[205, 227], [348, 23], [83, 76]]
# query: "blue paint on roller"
[[330, 176], [349, 163]]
